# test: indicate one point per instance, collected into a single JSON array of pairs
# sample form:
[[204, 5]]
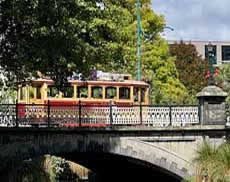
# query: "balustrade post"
[[170, 115], [141, 119], [79, 113], [111, 112], [48, 109], [16, 110], [199, 113]]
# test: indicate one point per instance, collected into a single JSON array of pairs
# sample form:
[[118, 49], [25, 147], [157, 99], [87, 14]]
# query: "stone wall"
[[170, 150]]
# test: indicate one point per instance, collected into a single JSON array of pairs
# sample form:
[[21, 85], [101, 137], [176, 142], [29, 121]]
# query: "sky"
[[206, 20]]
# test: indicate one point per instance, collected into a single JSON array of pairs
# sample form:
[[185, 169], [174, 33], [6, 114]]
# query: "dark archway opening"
[[114, 168]]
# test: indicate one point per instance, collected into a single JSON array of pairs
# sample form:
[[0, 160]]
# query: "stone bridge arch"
[[17, 147]]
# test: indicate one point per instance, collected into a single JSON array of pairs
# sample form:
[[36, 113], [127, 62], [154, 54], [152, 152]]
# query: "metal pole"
[[138, 41], [16, 110], [48, 110], [199, 113], [210, 48], [170, 115], [79, 112], [211, 79], [141, 118], [139, 33], [168, 27], [111, 112]]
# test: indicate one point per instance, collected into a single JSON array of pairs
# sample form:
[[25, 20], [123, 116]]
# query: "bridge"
[[161, 139], [169, 151]]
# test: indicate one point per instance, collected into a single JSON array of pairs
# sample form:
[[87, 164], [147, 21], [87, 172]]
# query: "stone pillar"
[[212, 105]]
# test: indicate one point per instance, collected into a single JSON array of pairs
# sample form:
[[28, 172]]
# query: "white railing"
[[85, 115], [158, 116], [184, 115], [125, 115]]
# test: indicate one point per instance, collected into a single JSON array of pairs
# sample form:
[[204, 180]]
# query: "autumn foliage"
[[190, 66]]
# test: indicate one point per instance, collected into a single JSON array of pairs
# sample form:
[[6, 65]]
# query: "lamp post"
[[210, 48], [138, 4], [147, 37]]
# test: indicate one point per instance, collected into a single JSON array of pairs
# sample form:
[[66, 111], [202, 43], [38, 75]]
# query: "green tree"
[[59, 37], [47, 168], [7, 94], [163, 76], [158, 67], [55, 37], [223, 81], [191, 68]]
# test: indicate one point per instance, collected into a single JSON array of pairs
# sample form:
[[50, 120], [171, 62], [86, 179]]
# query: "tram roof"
[[96, 82]]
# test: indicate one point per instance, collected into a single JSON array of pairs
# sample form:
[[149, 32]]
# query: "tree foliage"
[[191, 68], [162, 74], [55, 37], [59, 37], [47, 168], [7, 94], [223, 81], [158, 67]]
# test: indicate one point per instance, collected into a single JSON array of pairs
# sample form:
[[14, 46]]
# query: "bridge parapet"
[[25, 115]]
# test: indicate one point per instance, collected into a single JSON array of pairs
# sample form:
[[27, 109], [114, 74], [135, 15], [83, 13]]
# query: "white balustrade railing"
[[184, 115], [80, 115], [94, 115], [156, 116], [125, 115], [7, 115]]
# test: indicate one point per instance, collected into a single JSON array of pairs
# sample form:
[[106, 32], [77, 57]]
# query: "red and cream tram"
[[122, 91], [85, 103]]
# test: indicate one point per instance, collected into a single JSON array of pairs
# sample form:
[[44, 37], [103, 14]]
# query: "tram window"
[[52, 91], [135, 94], [96, 92], [31, 92], [68, 92], [38, 92], [82, 92], [124, 93], [23, 93], [142, 94], [110, 92]]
